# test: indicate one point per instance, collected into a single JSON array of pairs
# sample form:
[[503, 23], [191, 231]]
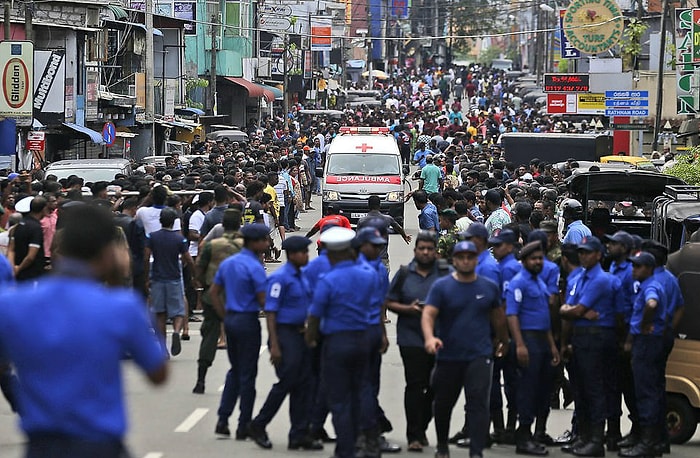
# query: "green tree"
[[687, 167]]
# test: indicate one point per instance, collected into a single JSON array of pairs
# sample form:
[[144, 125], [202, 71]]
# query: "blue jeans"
[[243, 348], [344, 362], [534, 382], [294, 373]]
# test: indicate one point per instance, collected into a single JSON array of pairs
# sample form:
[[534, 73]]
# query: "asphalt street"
[[171, 422]]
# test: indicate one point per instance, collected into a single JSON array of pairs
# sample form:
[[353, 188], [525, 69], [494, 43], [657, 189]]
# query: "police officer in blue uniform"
[[288, 296], [503, 247], [619, 246], [550, 275], [340, 309], [590, 307], [646, 341], [65, 338], [370, 243], [527, 311], [318, 405], [467, 309], [242, 278], [674, 313]]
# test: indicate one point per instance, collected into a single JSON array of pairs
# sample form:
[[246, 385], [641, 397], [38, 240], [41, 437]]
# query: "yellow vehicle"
[[639, 163]]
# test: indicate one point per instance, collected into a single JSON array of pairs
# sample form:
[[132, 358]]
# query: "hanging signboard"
[[17, 64]]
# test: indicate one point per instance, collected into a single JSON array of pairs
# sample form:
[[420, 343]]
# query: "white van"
[[362, 162]]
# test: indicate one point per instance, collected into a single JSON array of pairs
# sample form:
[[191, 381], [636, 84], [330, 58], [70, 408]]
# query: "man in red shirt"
[[333, 217]]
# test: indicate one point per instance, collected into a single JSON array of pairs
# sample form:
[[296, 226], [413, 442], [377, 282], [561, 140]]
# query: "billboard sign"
[[17, 66], [49, 86]]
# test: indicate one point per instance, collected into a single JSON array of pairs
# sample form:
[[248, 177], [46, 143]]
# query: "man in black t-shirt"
[[28, 240]]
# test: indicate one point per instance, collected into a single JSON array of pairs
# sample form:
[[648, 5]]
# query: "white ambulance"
[[363, 162]]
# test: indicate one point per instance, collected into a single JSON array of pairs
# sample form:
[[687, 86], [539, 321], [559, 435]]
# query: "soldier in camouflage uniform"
[[449, 236], [553, 243], [210, 256]]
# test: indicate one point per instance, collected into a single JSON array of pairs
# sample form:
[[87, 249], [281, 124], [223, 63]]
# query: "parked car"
[[90, 170], [232, 135]]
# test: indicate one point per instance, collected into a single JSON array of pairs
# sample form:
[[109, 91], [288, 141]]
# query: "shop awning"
[[254, 90], [118, 12], [190, 111], [95, 137], [276, 92]]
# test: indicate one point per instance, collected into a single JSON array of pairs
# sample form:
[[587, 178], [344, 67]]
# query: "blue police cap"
[[530, 248], [591, 243], [369, 235], [476, 230], [643, 258], [538, 235], [465, 246], [255, 231], [296, 243], [621, 237], [505, 236]]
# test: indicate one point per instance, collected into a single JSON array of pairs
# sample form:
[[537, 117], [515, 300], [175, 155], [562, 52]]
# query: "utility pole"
[[212, 71], [6, 21], [150, 79], [28, 17], [285, 71], [660, 78]]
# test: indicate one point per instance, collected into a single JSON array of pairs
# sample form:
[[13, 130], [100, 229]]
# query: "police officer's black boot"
[[525, 444], [462, 434], [644, 448], [372, 447], [631, 439], [508, 437], [541, 436], [594, 447], [613, 435], [499, 427], [201, 376], [583, 435]]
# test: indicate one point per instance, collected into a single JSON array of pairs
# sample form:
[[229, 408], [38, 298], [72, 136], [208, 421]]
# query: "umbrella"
[[376, 74]]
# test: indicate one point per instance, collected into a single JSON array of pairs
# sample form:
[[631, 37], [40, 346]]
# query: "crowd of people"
[[507, 284]]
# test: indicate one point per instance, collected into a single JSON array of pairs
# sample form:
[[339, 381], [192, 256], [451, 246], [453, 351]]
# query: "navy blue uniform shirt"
[[342, 297], [379, 294], [672, 290], [649, 289], [243, 277], [598, 290], [464, 321], [65, 338], [488, 267], [316, 268], [509, 268], [288, 295], [527, 298], [623, 271]]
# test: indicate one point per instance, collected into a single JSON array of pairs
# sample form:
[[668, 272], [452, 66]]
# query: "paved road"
[[171, 422]]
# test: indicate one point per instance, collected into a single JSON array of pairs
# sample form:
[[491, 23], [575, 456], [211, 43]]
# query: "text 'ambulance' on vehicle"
[[363, 162]]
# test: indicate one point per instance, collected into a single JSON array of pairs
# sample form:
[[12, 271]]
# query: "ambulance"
[[363, 162]]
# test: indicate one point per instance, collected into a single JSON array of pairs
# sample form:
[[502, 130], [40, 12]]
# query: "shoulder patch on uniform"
[[275, 290], [518, 295]]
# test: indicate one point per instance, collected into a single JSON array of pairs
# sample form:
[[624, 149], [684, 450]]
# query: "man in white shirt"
[[150, 216]]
